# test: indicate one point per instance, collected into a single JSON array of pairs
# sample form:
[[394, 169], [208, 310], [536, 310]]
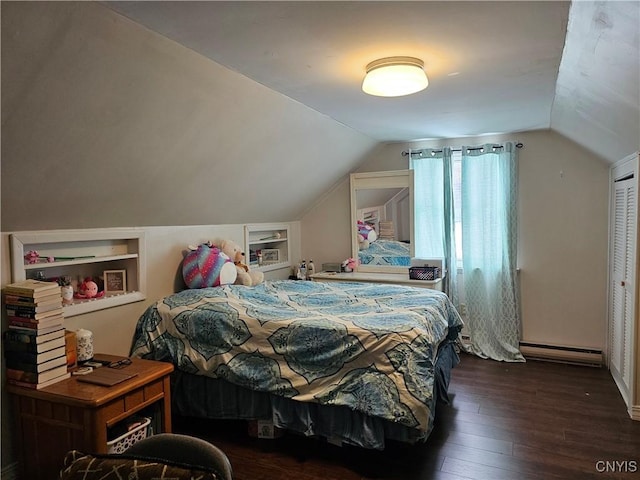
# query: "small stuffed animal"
[[88, 289], [349, 265], [366, 235], [245, 275], [207, 266]]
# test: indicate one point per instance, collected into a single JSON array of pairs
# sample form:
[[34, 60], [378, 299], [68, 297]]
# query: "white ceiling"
[[493, 67]]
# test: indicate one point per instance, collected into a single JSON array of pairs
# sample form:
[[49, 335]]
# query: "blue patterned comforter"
[[370, 347], [386, 252]]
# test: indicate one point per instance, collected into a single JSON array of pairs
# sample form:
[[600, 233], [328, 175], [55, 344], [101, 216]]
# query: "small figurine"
[[66, 289]]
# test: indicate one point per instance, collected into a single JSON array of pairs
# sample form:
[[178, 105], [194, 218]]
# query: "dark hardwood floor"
[[528, 421]]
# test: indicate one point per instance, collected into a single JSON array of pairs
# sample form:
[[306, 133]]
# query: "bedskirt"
[[205, 397]]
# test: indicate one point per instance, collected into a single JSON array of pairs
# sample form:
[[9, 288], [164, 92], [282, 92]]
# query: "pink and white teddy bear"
[[207, 266], [366, 235], [245, 276]]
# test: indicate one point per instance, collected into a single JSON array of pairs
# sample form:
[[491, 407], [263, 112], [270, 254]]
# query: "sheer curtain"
[[434, 222], [450, 283], [429, 215], [489, 238], [488, 184]]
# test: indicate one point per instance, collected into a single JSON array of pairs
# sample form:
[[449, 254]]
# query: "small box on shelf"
[[426, 268], [424, 273]]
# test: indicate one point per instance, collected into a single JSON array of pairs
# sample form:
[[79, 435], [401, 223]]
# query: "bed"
[[358, 363], [386, 252]]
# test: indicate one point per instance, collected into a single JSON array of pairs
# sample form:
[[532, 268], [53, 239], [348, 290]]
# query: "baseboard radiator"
[[557, 353]]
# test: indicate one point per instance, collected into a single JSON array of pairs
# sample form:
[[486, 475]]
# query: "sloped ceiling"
[[597, 102], [106, 123], [494, 67]]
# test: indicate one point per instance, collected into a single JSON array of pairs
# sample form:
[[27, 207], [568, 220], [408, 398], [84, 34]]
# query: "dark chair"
[[183, 449]]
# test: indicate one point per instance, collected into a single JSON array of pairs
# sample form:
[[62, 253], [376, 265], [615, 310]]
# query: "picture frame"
[[270, 255], [115, 281]]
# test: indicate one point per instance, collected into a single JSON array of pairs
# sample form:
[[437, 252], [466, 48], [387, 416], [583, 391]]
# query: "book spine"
[[34, 316], [25, 323], [10, 346], [31, 288], [32, 336], [38, 333], [29, 358], [12, 312], [14, 298], [33, 367], [23, 357], [23, 292], [37, 319], [20, 311], [23, 376], [19, 324], [31, 302], [25, 367], [27, 337], [24, 320], [22, 384], [33, 347], [23, 307], [19, 383]]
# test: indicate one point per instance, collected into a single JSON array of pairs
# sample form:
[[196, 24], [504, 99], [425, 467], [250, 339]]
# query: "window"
[[475, 206], [429, 204], [428, 165]]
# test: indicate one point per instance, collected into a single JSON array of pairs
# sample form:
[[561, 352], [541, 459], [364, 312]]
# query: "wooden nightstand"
[[75, 415]]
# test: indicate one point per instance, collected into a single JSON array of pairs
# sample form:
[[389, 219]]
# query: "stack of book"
[[386, 230], [34, 345]]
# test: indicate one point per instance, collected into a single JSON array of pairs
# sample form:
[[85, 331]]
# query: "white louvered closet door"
[[622, 314]]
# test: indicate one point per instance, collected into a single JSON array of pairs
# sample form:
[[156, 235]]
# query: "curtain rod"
[[406, 152]]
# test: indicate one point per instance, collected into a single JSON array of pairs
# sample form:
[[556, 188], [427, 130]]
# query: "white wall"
[[564, 208], [326, 233], [563, 235]]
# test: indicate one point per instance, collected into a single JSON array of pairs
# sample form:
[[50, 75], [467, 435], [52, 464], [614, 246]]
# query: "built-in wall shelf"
[[267, 246], [79, 254], [81, 261]]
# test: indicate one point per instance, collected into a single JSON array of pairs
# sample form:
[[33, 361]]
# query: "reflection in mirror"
[[382, 219]]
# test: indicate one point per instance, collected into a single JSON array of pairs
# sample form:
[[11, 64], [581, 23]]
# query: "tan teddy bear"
[[235, 253]]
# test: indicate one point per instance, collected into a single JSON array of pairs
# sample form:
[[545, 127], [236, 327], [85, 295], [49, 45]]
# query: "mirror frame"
[[373, 180]]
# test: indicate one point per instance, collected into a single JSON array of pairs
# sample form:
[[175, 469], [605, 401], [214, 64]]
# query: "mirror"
[[382, 220]]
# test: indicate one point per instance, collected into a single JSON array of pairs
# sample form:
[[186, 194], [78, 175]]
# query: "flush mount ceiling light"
[[395, 76]]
